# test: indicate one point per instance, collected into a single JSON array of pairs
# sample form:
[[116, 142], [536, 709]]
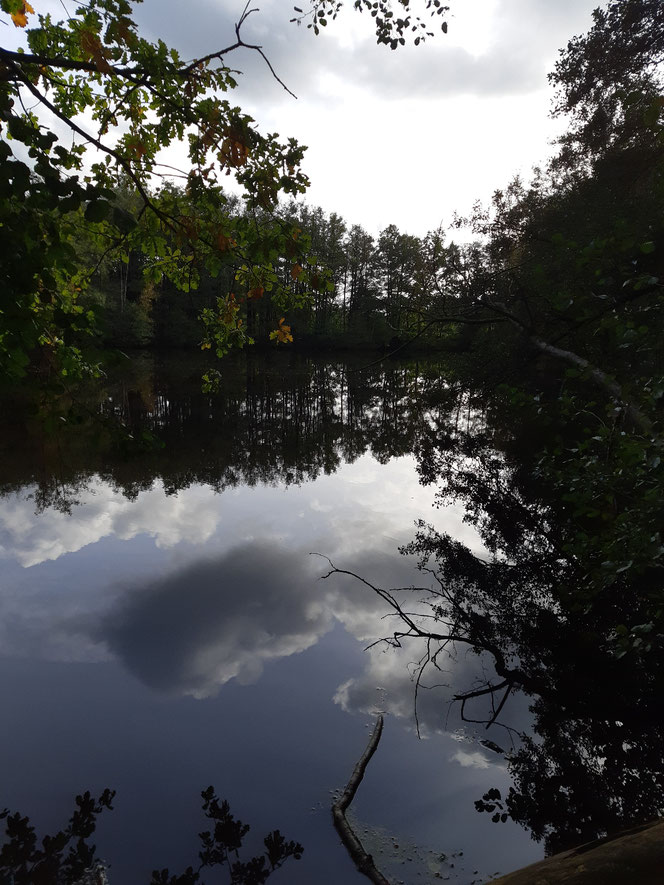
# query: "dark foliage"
[[67, 858]]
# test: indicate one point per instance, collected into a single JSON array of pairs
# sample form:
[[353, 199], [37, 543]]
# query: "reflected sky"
[[159, 644]]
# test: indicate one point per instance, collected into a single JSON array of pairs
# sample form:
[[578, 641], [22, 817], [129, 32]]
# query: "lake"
[[165, 624]]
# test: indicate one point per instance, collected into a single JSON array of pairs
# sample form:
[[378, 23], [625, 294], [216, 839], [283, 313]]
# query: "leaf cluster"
[[220, 847], [67, 858], [138, 98], [394, 20], [60, 859]]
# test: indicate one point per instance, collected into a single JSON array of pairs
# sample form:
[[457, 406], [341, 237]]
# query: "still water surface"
[[164, 626]]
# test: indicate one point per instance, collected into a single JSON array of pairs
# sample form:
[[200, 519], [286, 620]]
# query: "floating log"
[[362, 860]]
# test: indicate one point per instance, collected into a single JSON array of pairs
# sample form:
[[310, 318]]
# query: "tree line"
[[360, 290], [286, 419]]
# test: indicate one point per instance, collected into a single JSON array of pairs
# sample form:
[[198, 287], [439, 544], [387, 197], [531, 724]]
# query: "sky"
[[405, 137]]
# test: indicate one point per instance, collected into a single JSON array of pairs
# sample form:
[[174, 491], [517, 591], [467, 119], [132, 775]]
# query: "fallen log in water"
[[362, 860]]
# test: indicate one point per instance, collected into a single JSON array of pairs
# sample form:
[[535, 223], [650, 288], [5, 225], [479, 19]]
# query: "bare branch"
[[239, 43], [474, 640]]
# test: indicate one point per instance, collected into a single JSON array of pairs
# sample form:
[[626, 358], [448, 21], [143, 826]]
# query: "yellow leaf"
[[20, 18], [283, 333], [234, 151]]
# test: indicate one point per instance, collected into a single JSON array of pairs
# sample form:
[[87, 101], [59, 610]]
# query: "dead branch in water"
[[362, 860]]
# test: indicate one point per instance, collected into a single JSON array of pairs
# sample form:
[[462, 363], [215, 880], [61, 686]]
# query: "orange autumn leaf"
[[283, 333], [239, 152], [137, 147], [256, 292], [91, 46], [296, 270], [228, 310], [123, 31], [20, 18], [224, 243], [234, 151]]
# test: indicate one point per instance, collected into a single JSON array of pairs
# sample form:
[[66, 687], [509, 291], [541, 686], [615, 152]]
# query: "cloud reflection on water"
[[217, 620], [225, 584], [226, 618], [103, 511]]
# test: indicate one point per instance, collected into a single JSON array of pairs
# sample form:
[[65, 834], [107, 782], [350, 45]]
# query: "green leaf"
[[97, 210], [123, 220]]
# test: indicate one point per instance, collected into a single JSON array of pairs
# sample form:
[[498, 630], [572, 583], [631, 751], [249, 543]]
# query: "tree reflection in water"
[[68, 858], [593, 762], [273, 421]]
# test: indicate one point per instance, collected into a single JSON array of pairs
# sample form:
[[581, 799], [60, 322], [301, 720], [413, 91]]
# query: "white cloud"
[[191, 515], [473, 759], [408, 137], [226, 584], [335, 515]]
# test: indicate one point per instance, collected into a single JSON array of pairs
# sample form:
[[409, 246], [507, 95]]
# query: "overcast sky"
[[403, 137]]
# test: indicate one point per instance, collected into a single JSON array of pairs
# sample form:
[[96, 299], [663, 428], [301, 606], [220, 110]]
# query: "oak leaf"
[[92, 48], [136, 146], [224, 243], [283, 333], [20, 18], [123, 31], [234, 152]]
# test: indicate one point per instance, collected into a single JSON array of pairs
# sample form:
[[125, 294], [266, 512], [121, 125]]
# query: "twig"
[[362, 860]]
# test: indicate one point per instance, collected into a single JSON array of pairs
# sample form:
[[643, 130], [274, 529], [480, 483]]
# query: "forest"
[[368, 293], [546, 302]]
